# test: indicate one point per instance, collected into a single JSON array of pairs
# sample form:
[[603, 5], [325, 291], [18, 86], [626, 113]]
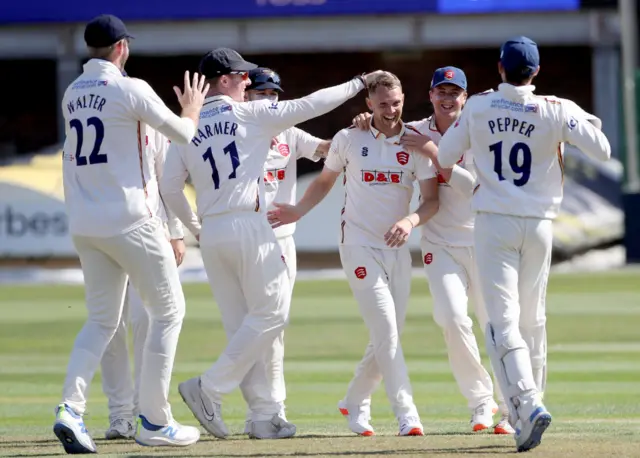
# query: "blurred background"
[[311, 44]]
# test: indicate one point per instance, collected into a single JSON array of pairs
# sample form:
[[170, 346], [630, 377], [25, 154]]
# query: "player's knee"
[[508, 340], [451, 321]]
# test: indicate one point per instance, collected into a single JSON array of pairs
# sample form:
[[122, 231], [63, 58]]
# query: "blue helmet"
[[264, 78]]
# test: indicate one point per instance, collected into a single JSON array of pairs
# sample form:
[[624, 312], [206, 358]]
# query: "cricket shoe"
[[121, 428], [503, 426], [208, 413], [247, 422], [70, 430], [174, 434], [482, 416], [358, 418], [276, 428], [410, 425], [534, 421]]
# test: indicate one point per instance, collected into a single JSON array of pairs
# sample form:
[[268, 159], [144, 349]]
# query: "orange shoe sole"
[[414, 432], [479, 427], [498, 430]]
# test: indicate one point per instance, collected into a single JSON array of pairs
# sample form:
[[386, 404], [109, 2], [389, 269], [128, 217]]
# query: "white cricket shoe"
[[503, 426], [358, 418], [69, 428], [534, 421], [410, 425], [208, 413], [276, 428], [482, 416], [174, 434], [121, 428]]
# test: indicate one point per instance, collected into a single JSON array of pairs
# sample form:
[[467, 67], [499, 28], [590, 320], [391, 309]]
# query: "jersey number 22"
[[94, 157], [232, 151]]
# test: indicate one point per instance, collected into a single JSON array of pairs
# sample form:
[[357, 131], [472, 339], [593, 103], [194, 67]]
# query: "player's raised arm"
[[171, 186], [578, 130], [455, 140], [278, 116], [150, 109], [317, 190]]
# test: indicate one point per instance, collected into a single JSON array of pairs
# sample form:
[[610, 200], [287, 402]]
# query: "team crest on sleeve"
[[403, 157], [428, 258], [573, 122]]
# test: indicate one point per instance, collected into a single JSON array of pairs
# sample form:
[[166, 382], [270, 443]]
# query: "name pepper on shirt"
[[507, 124], [218, 128], [87, 101]]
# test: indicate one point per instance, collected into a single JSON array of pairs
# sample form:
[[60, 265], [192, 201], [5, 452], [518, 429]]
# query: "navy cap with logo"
[[449, 75], [105, 30], [520, 56], [264, 78], [222, 61]]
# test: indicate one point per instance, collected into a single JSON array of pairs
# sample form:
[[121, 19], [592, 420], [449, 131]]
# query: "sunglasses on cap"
[[245, 75]]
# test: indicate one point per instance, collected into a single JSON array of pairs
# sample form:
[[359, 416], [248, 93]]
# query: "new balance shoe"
[[121, 428], [534, 421], [174, 434], [70, 430], [410, 425], [358, 418], [208, 413], [276, 428], [482, 416]]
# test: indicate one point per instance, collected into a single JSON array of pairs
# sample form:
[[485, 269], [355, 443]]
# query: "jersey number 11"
[[235, 162]]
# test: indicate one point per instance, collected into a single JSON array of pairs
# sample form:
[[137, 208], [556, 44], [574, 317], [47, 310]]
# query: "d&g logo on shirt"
[[376, 177]]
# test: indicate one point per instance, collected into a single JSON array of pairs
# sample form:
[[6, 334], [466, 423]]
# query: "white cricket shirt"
[[227, 156], [516, 138], [280, 170], [105, 167], [156, 148], [452, 225], [379, 179]]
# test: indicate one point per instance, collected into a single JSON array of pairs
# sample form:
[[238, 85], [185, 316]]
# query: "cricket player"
[[517, 141], [244, 263], [376, 223], [280, 179], [115, 231], [447, 251], [122, 394]]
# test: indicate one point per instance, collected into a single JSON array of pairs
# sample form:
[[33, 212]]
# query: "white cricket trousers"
[[250, 282], [381, 283], [453, 281], [514, 254], [123, 395], [145, 256]]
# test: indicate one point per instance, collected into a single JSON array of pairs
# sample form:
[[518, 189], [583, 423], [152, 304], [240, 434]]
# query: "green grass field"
[[593, 390]]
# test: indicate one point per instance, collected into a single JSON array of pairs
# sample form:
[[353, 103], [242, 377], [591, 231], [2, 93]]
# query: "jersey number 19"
[[519, 166]]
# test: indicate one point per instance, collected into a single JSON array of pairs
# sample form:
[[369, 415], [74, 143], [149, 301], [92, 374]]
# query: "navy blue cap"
[[104, 31], [264, 78], [520, 55], [222, 61], [449, 75]]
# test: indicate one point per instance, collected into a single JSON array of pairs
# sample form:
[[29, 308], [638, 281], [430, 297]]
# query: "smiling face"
[[386, 104], [447, 100]]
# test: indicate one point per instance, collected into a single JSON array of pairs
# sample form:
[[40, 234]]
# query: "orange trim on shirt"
[[144, 182], [561, 161]]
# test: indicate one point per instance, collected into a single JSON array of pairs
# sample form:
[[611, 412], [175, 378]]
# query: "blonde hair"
[[384, 79]]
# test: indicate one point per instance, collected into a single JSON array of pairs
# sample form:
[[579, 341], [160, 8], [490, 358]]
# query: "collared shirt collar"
[[217, 98], [101, 66], [379, 135], [519, 91]]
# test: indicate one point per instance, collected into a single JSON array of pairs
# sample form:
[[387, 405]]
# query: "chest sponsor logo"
[[274, 175], [381, 177]]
